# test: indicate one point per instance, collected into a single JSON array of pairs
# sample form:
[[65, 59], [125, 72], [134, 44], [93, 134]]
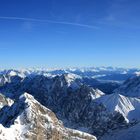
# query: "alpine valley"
[[70, 104]]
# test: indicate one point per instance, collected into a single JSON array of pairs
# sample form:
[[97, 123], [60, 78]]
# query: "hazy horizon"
[[64, 68]]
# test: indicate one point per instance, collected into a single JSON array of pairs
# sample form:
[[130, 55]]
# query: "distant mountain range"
[[76, 104], [104, 78]]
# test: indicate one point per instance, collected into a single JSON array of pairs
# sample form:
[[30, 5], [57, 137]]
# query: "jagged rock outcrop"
[[5, 101], [72, 101], [28, 119]]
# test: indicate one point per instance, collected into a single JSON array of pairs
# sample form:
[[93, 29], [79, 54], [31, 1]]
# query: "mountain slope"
[[132, 133], [28, 119], [71, 98], [127, 106], [72, 101], [130, 88]]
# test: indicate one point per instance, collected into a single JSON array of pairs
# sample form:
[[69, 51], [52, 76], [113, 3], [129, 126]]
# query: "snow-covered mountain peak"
[[127, 106], [96, 93], [71, 76], [137, 73], [12, 73], [68, 80], [5, 101], [26, 97], [28, 119]]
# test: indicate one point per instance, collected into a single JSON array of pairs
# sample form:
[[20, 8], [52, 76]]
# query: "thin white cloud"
[[49, 21]]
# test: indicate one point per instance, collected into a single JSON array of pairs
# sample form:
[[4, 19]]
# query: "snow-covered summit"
[[31, 120], [127, 106], [5, 101]]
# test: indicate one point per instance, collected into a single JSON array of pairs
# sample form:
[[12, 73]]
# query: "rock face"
[[105, 78], [72, 101], [5, 101], [27, 119], [130, 88], [77, 105]]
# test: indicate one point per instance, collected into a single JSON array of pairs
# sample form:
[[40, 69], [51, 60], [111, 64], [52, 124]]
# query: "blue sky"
[[69, 33]]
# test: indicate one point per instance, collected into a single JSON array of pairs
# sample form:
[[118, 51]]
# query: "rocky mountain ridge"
[[28, 119], [77, 105]]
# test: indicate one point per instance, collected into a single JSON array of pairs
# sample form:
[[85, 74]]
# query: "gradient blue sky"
[[69, 33]]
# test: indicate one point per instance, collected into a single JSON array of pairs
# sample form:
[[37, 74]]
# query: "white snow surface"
[[127, 106], [12, 133], [96, 93]]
